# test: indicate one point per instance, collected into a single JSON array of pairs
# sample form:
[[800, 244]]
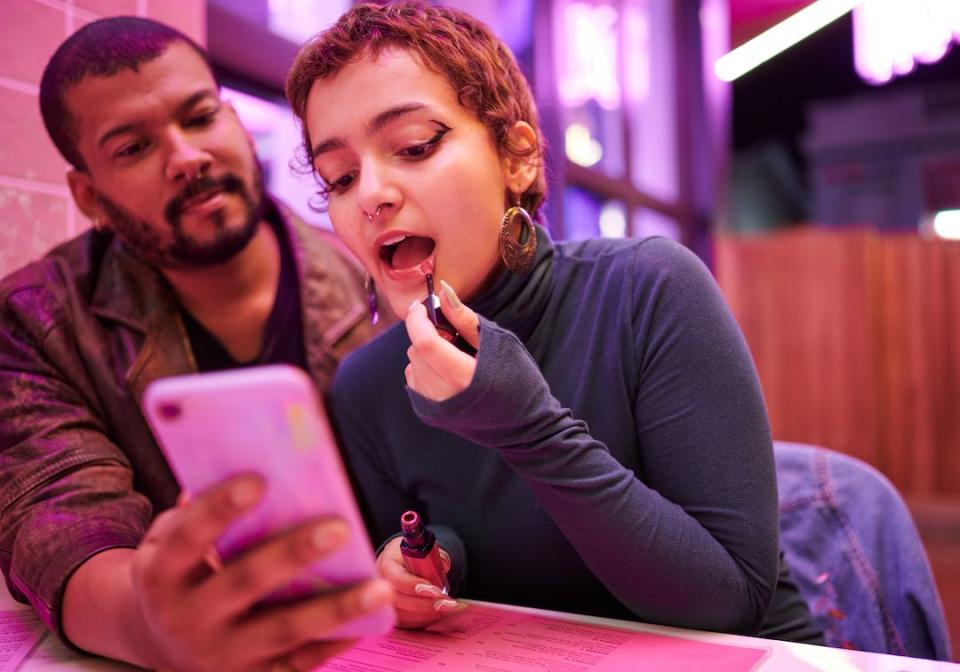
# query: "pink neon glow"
[[891, 36], [587, 55], [636, 63]]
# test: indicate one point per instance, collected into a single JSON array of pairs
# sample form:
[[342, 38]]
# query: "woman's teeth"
[[393, 240], [406, 251]]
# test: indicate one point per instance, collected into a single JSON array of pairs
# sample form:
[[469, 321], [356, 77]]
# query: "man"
[[189, 267]]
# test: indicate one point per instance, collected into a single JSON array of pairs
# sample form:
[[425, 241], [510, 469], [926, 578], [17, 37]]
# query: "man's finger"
[[252, 576], [276, 631], [182, 544]]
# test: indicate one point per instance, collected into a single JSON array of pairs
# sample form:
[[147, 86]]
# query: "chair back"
[[855, 554]]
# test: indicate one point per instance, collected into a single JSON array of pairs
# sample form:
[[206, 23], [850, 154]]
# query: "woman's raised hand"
[[438, 369]]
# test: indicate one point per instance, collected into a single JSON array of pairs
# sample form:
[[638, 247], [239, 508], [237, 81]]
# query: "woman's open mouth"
[[404, 255]]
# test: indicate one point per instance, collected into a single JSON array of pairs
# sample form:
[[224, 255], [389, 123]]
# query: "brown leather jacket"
[[82, 332]]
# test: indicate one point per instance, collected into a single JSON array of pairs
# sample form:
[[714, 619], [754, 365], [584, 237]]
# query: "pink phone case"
[[266, 420]]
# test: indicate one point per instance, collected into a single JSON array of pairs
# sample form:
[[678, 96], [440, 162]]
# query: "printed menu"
[[490, 639], [20, 631]]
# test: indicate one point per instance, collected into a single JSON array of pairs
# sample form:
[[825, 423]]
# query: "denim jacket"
[[82, 332], [855, 555]]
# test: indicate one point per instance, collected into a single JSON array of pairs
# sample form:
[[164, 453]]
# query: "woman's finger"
[[440, 368], [463, 319], [392, 568]]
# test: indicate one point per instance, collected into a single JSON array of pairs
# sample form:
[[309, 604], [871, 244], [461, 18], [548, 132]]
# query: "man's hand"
[[418, 602], [165, 605]]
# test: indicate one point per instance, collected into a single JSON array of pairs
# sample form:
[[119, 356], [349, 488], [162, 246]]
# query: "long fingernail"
[[448, 605], [413, 304], [429, 588], [450, 294]]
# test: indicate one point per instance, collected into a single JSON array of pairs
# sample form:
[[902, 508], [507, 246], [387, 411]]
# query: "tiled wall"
[[36, 211]]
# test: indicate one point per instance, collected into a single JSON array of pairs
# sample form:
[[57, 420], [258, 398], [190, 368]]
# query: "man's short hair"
[[99, 49]]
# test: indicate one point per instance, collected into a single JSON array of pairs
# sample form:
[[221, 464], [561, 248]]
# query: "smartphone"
[[266, 420]]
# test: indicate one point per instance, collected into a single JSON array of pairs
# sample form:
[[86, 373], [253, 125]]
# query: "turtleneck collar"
[[518, 302]]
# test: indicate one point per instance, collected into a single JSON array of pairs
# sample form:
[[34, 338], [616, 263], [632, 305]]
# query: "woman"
[[606, 450]]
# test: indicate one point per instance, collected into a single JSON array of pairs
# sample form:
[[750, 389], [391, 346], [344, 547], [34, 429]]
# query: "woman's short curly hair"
[[478, 65]]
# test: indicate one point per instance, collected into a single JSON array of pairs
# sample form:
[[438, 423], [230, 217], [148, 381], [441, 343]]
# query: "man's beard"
[[185, 252]]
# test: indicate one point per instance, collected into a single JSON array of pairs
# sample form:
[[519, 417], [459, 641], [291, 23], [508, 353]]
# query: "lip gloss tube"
[[432, 304], [439, 320], [421, 552]]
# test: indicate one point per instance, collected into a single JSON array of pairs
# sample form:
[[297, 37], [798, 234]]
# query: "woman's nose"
[[377, 192]]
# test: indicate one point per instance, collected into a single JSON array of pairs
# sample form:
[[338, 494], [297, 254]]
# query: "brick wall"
[[36, 210]]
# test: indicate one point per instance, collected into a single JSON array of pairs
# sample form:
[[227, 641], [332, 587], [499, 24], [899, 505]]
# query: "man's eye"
[[132, 149], [201, 120]]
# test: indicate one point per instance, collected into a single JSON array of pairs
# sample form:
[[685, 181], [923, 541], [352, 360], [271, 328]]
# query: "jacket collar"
[[329, 312], [134, 294]]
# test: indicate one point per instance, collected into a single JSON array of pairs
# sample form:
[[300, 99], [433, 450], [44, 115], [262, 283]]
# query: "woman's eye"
[[424, 149], [339, 184], [417, 150]]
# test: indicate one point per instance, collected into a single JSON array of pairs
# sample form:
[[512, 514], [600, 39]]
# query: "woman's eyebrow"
[[385, 117], [376, 124]]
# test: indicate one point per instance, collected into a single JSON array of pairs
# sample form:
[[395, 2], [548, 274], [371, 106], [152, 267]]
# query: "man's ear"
[[521, 171], [85, 195]]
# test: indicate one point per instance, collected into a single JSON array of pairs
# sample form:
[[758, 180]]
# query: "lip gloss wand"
[[446, 330]]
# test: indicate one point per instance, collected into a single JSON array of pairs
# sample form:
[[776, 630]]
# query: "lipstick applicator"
[[433, 301], [421, 552], [432, 304]]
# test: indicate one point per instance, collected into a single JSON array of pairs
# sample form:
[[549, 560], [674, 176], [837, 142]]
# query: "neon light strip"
[[890, 37], [780, 37], [946, 224]]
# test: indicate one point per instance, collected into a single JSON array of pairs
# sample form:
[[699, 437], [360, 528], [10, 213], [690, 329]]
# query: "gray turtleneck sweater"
[[611, 456]]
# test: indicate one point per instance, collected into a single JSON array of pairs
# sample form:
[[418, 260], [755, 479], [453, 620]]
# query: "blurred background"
[[808, 152]]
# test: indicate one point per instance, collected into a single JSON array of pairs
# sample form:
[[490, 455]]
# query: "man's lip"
[[200, 198], [414, 273], [205, 203]]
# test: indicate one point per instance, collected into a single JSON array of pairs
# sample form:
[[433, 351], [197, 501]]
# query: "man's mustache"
[[228, 183]]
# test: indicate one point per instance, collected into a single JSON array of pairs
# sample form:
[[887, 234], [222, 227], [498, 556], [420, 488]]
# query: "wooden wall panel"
[[856, 337]]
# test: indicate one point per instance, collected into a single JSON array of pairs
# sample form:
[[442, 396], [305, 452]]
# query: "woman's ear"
[[521, 171]]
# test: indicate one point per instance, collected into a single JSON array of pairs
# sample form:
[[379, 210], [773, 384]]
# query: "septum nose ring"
[[198, 173], [376, 214]]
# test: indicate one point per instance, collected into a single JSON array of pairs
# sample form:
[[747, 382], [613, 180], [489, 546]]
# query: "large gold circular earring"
[[518, 252]]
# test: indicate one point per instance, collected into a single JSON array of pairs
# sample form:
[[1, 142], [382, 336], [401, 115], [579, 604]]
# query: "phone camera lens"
[[169, 410]]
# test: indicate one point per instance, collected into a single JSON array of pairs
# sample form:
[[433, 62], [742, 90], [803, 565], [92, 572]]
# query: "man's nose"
[[186, 161]]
